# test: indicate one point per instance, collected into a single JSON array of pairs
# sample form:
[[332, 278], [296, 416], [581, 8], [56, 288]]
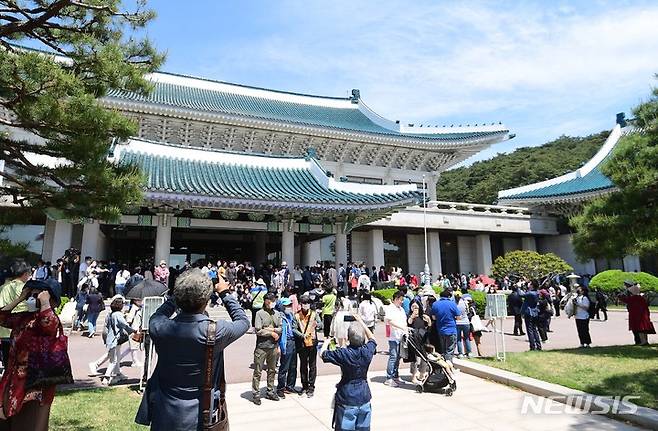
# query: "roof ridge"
[[252, 87]]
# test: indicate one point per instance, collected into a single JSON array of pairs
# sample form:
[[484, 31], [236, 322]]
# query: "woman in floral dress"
[[28, 409]]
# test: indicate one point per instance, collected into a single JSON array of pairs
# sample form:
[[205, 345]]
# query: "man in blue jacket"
[[172, 400], [444, 313]]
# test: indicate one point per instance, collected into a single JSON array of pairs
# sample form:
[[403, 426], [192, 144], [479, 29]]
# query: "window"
[[419, 185], [364, 180]]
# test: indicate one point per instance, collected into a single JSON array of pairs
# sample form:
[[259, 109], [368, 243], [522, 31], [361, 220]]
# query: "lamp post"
[[427, 279]]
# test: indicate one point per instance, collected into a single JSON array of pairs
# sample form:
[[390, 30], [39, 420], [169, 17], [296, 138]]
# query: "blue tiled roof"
[[201, 180], [212, 100], [593, 181]]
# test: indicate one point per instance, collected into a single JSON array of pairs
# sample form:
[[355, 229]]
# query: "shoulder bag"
[[215, 418], [48, 362]]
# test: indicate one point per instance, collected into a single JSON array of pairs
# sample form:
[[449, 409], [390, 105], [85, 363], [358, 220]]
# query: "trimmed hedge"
[[612, 281], [59, 309], [480, 298]]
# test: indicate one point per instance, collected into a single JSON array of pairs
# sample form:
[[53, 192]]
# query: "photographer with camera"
[[352, 410], [189, 375]]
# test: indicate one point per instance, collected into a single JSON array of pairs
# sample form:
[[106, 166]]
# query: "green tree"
[[625, 221], [529, 264], [50, 107], [481, 181]]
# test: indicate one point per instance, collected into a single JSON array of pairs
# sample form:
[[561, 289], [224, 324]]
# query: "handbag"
[[214, 419], [48, 362]]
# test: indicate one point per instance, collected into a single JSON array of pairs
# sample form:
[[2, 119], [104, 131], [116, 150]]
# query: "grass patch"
[[653, 308], [95, 409], [611, 370]]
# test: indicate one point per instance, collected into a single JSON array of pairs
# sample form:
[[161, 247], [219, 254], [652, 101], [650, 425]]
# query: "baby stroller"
[[440, 375]]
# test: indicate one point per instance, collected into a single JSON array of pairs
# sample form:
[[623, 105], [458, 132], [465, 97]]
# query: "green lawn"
[[623, 307], [95, 409], [613, 370]]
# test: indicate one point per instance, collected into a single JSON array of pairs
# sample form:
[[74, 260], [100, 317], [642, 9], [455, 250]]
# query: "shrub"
[[59, 309], [480, 298], [529, 264], [384, 295], [612, 281]]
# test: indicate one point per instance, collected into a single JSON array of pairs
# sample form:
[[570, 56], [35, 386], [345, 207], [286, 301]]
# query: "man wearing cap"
[[268, 331], [8, 292], [288, 363]]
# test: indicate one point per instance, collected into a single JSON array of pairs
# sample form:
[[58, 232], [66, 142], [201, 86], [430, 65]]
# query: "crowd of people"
[[297, 315]]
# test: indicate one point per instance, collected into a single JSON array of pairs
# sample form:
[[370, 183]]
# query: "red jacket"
[[639, 318]]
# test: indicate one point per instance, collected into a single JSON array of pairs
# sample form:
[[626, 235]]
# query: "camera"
[[349, 318]]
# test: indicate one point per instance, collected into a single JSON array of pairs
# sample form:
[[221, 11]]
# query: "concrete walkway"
[[476, 405]]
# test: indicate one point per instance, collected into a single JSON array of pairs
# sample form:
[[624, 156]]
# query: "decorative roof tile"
[[219, 179], [336, 113], [581, 183]]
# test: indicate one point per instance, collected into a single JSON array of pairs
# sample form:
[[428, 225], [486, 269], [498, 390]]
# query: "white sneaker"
[[105, 381], [93, 370], [391, 383]]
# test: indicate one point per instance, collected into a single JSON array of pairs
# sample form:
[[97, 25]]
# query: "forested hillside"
[[480, 182]]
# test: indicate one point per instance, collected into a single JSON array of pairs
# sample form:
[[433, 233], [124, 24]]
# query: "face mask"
[[306, 307], [32, 304], [288, 310]]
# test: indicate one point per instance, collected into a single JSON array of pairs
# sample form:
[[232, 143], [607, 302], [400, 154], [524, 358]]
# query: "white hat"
[[260, 281]]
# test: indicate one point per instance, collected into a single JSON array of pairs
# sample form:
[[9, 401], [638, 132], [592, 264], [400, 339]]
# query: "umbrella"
[[144, 289]]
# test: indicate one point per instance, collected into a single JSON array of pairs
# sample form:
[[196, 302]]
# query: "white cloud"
[[542, 65]]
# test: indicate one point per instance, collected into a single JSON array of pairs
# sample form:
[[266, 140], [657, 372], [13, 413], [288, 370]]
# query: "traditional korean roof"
[[187, 177], [348, 113], [587, 182]]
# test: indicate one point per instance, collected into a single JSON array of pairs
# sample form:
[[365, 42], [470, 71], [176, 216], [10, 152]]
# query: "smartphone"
[[349, 318]]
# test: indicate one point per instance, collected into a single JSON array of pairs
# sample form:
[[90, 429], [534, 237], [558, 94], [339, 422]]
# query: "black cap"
[[269, 297], [51, 285]]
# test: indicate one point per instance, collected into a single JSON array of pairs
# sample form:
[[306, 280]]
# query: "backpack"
[[259, 299]]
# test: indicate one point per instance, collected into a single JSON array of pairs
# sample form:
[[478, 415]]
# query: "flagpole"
[[426, 276]]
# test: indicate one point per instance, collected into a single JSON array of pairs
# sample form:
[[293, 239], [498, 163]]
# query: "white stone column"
[[163, 238], [56, 239], [631, 263], [434, 253], [90, 239], [341, 245], [430, 181], [483, 254], [376, 248], [288, 243], [528, 243]]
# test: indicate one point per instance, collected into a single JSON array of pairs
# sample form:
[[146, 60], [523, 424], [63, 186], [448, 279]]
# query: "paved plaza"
[[239, 355], [476, 405]]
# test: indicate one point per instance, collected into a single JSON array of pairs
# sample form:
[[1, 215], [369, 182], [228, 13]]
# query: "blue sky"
[[543, 68]]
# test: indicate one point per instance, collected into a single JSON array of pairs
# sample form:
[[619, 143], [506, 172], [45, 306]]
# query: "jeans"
[[582, 326], [352, 418], [91, 322], [447, 345], [119, 288], [307, 367], [114, 369], [393, 359], [286, 370], [463, 332], [267, 357], [533, 332]]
